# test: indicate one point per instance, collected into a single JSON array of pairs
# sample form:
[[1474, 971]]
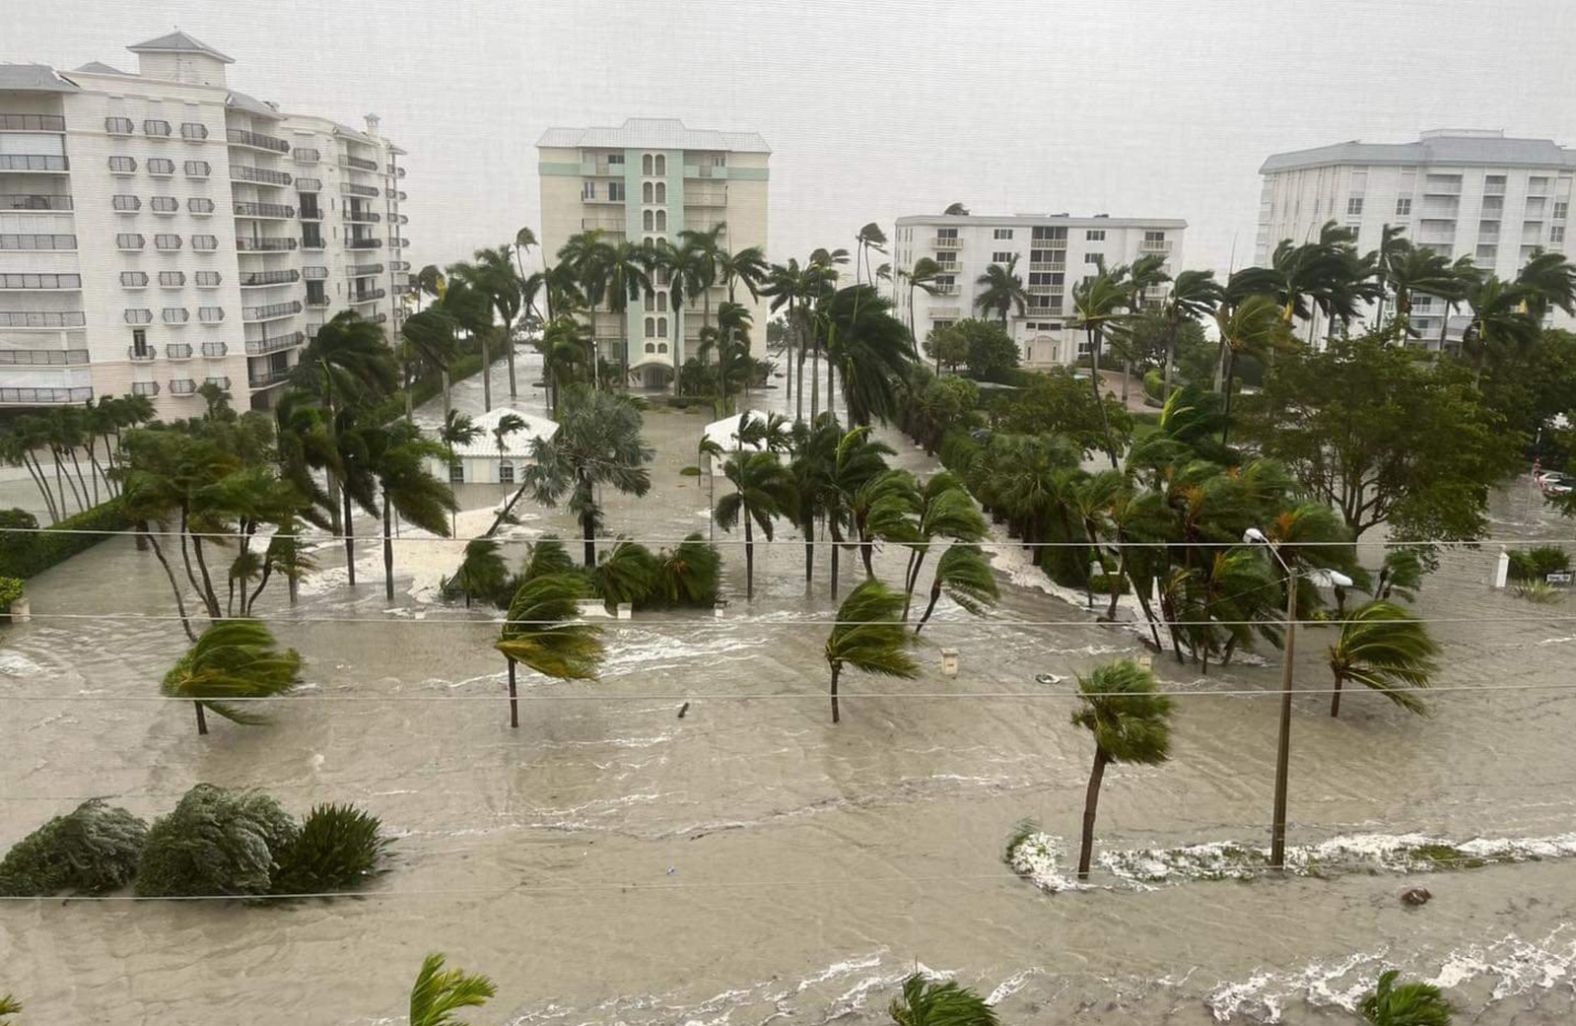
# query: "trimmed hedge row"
[[24, 554]]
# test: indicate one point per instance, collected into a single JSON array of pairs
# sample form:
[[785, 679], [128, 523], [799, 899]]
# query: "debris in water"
[[1416, 896], [1048, 678], [683, 709]]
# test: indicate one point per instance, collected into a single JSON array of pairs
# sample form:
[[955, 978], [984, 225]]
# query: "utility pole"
[[1283, 749]]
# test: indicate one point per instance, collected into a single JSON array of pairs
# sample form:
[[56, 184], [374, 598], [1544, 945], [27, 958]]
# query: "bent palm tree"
[[438, 993], [763, 491], [965, 575], [1383, 646], [1001, 290], [869, 636], [1130, 720], [927, 1002], [1410, 1004], [232, 659], [542, 630]]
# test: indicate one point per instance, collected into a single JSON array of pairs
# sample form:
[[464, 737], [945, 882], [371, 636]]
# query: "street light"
[[1254, 536]]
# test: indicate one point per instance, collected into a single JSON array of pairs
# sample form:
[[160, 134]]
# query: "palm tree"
[[1193, 296], [1410, 1004], [1001, 290], [493, 275], [467, 301], [597, 442], [566, 349], [1386, 648], [347, 362], [956, 210], [867, 238], [438, 993], [233, 659], [869, 636], [814, 451], [1129, 717], [1412, 269], [508, 424], [543, 630], [748, 266], [628, 573], [1499, 328], [627, 267], [1254, 325], [691, 269], [430, 335], [398, 459], [927, 1002], [1548, 280], [430, 282], [763, 491], [945, 510], [482, 573], [707, 249], [524, 242], [856, 460], [965, 575], [1098, 304], [922, 276], [872, 350]]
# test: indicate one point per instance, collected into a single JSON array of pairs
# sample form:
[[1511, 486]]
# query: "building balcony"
[[1048, 265], [256, 141], [312, 244], [44, 396], [363, 243], [178, 351], [34, 201], [947, 244], [42, 319], [950, 268], [317, 302], [258, 175], [945, 312], [309, 185], [264, 211], [262, 279], [183, 386], [313, 214], [264, 346], [358, 163], [399, 243], [1045, 290], [275, 245], [268, 378], [363, 270], [143, 355], [42, 357], [215, 350], [944, 290], [32, 123], [704, 171], [359, 190], [362, 216], [306, 155], [1154, 246], [271, 312], [34, 162], [371, 296]]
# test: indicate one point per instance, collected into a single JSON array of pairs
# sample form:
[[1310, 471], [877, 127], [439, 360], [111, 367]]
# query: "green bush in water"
[[337, 848], [90, 850], [215, 842]]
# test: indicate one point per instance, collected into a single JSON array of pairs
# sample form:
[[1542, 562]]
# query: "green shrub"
[[337, 848], [1154, 384], [10, 591], [26, 554], [1101, 584], [688, 576], [90, 850], [1537, 563], [215, 842]]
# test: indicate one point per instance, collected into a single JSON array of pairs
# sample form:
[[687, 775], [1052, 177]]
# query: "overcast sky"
[[1158, 108]]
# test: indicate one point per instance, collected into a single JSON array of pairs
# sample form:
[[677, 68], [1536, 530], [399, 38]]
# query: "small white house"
[[724, 434], [483, 462]]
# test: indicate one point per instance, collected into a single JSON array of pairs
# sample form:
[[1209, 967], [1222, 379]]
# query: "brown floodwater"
[[609, 862]]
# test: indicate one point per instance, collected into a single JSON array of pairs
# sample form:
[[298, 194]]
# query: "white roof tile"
[[655, 134]]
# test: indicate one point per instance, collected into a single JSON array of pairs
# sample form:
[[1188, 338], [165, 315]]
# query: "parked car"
[[1555, 482]]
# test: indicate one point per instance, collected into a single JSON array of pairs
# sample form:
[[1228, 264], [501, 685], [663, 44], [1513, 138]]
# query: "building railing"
[[363, 270], [359, 190], [264, 245], [1045, 290], [271, 311], [264, 210], [45, 395], [42, 319], [364, 216], [264, 346], [399, 243], [309, 185], [363, 243], [1048, 265], [311, 214], [944, 243], [944, 290], [142, 355], [34, 201], [259, 175], [256, 140], [359, 163], [32, 123], [183, 386], [317, 301], [215, 349], [33, 162], [368, 296], [253, 279], [268, 378], [178, 351], [43, 357], [1154, 246]]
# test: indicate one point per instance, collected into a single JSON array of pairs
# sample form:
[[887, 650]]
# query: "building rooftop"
[[1437, 147], [179, 42], [32, 78], [100, 68], [1007, 220], [516, 444], [653, 134], [252, 105]]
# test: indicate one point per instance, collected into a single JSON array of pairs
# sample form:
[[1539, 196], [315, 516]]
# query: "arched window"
[[645, 219], [662, 220], [662, 327], [662, 302], [651, 326], [662, 165], [662, 192], [650, 302], [646, 192], [651, 347], [645, 164]]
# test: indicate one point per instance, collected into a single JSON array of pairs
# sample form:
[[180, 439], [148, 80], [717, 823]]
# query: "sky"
[[873, 110]]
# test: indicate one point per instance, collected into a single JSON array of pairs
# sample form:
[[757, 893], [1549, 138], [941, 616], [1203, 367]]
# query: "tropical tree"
[[1193, 296], [524, 242], [597, 443], [731, 342], [945, 510], [627, 573], [438, 993], [233, 659], [706, 247], [398, 458], [1386, 648], [430, 335], [1499, 329], [1410, 270], [921, 276], [956, 210], [965, 575], [868, 238], [1255, 326], [869, 636], [872, 351], [1548, 280], [543, 630], [1001, 290], [1410, 1004], [568, 356], [927, 1002], [1123, 707], [626, 268], [492, 274], [482, 574], [747, 267], [1099, 304], [469, 304], [691, 268], [763, 491], [856, 460]]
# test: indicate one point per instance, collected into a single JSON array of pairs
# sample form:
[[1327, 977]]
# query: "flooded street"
[[609, 862]]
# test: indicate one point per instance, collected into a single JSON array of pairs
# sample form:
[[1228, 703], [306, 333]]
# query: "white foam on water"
[[14, 664], [1038, 859]]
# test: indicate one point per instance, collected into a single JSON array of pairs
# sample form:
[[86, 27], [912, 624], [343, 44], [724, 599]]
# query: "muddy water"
[[609, 862]]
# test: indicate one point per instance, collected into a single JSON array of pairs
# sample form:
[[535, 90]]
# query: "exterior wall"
[[1043, 331]]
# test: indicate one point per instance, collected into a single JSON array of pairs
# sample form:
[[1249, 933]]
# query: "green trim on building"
[[676, 226], [748, 174], [633, 327], [558, 169]]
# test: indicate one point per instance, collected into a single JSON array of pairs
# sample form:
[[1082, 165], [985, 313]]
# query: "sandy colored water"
[[610, 863]]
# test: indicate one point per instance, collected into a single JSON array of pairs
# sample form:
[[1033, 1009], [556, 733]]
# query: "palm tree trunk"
[[837, 544], [514, 701], [210, 597], [180, 603], [486, 373], [202, 721], [799, 408], [443, 378], [508, 347], [1335, 696], [388, 549], [1091, 800], [809, 552], [1225, 425], [1171, 353], [43, 486], [1116, 583], [749, 560], [350, 539], [837, 670], [1094, 381], [916, 558], [77, 466], [588, 538], [935, 594]]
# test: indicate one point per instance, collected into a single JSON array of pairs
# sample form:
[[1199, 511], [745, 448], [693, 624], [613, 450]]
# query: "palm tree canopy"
[[956, 210], [233, 659], [1001, 289], [597, 442], [1385, 648], [763, 490], [1410, 1004], [1123, 707], [927, 1002], [348, 358], [965, 576], [542, 629], [869, 633], [873, 352], [397, 455], [438, 993]]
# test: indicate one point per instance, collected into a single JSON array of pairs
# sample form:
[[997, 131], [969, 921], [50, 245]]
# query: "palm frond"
[[438, 993]]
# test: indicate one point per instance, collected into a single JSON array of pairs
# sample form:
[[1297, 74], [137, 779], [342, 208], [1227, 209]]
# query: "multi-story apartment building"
[[160, 230], [650, 179], [1051, 254], [1477, 194]]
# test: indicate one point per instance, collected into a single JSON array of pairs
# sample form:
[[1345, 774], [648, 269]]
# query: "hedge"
[[26, 554]]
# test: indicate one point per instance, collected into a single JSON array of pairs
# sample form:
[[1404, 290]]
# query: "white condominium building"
[[1051, 254], [650, 179], [160, 230], [1477, 194]]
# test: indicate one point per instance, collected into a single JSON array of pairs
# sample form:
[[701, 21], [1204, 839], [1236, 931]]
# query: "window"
[[1048, 234], [161, 167], [647, 220], [165, 204], [200, 205], [939, 324], [588, 190], [505, 472], [144, 388], [662, 220], [194, 130], [946, 233], [176, 315], [1002, 233], [119, 126], [138, 315], [172, 279], [615, 158], [125, 204], [1001, 256], [167, 241], [662, 302], [129, 240], [1354, 206], [645, 164], [662, 327], [134, 279], [662, 192], [1536, 185], [662, 164], [1485, 254], [648, 192], [1493, 183], [155, 127], [1535, 205], [210, 314], [615, 191], [1557, 233], [1094, 258], [38, 241], [1561, 208], [207, 279], [221, 381], [139, 343], [205, 242], [306, 155], [40, 281], [198, 169], [1403, 206], [1094, 235], [123, 165], [456, 473], [719, 160]]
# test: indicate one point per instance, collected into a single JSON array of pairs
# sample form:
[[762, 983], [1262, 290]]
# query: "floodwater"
[[611, 863]]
